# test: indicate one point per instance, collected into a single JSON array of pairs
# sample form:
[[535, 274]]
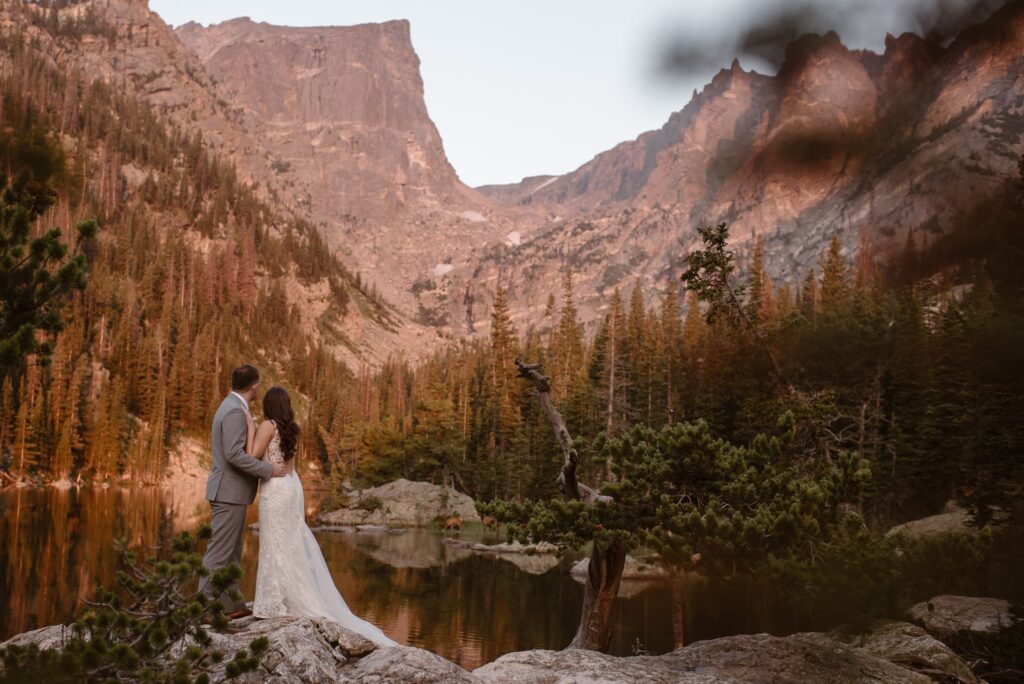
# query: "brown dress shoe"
[[240, 613]]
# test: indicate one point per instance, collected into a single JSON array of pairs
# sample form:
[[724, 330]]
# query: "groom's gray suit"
[[230, 489]]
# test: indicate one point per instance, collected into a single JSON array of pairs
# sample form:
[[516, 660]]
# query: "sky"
[[529, 87]]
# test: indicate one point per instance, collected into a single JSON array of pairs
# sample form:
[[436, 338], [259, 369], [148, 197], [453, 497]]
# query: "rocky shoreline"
[[315, 650]]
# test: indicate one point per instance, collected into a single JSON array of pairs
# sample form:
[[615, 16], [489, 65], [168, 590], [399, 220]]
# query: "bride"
[[292, 578]]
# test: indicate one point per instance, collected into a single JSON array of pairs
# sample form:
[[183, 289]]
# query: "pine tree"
[[612, 369], [807, 302], [28, 423], [36, 274], [7, 417], [758, 286], [835, 288], [693, 348], [567, 343], [671, 360], [637, 357], [503, 405]]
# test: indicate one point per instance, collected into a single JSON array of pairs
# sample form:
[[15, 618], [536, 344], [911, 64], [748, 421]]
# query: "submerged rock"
[[945, 615], [402, 503]]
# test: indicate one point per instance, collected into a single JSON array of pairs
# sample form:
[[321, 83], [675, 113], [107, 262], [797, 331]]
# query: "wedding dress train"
[[292, 578]]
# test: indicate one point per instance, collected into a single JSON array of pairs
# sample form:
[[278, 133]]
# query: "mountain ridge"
[[330, 124], [840, 142]]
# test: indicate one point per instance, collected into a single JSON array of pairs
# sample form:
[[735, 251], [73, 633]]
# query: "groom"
[[231, 486]]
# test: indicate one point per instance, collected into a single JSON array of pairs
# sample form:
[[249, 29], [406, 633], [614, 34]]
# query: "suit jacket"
[[235, 474]]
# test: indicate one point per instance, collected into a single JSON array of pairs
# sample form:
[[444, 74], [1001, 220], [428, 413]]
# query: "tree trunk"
[[603, 577], [606, 563], [679, 608]]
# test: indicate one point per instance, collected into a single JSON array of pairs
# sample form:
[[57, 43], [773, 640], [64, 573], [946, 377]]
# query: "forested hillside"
[[914, 365], [191, 274]]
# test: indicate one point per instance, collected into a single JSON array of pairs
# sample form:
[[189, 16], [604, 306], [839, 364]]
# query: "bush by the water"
[[151, 629]]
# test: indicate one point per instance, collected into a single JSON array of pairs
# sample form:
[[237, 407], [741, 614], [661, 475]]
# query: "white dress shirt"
[[245, 404]]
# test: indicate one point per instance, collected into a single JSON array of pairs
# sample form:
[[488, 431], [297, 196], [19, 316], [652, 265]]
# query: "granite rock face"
[[340, 110]]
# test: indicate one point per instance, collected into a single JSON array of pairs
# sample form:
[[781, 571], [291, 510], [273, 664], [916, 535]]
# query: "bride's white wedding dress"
[[292, 578]]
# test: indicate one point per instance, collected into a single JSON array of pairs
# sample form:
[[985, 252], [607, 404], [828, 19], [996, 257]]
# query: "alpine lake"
[[58, 544]]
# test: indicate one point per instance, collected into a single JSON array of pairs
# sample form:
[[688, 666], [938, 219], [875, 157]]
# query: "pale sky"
[[528, 87]]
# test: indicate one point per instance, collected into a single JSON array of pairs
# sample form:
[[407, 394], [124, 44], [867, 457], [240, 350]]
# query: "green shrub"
[[369, 503]]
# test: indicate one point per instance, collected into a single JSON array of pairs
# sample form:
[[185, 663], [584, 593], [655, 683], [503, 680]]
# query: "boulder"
[[952, 520], [44, 637], [403, 503], [909, 645], [946, 615], [759, 658]]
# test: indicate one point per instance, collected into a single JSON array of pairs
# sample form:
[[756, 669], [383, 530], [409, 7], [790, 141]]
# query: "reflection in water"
[[58, 544]]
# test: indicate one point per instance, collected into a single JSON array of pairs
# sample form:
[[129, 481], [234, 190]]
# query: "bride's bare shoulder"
[[266, 429]]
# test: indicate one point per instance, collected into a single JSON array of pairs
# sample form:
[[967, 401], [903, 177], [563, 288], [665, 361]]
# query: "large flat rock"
[[757, 658], [403, 503]]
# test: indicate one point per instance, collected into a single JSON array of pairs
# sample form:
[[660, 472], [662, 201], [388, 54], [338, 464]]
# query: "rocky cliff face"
[[125, 44], [838, 142], [341, 110]]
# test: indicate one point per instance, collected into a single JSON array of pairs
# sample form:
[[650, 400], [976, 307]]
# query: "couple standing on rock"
[[292, 578]]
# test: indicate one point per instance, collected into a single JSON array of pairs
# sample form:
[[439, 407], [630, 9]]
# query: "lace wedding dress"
[[292, 578]]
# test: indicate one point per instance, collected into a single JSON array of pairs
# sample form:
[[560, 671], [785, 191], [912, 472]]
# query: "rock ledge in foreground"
[[307, 651]]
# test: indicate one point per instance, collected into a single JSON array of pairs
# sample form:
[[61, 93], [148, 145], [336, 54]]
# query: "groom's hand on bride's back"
[[280, 470]]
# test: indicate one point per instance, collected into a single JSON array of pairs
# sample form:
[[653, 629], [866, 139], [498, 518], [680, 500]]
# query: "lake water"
[[57, 545]]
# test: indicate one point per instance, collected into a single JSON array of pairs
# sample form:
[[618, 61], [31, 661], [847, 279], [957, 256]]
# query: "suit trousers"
[[224, 548]]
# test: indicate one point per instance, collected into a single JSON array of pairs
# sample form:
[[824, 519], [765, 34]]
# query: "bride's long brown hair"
[[277, 406]]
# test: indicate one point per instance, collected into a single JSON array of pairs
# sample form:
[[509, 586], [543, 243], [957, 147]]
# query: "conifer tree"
[[670, 364], [37, 274], [503, 405], [835, 289]]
